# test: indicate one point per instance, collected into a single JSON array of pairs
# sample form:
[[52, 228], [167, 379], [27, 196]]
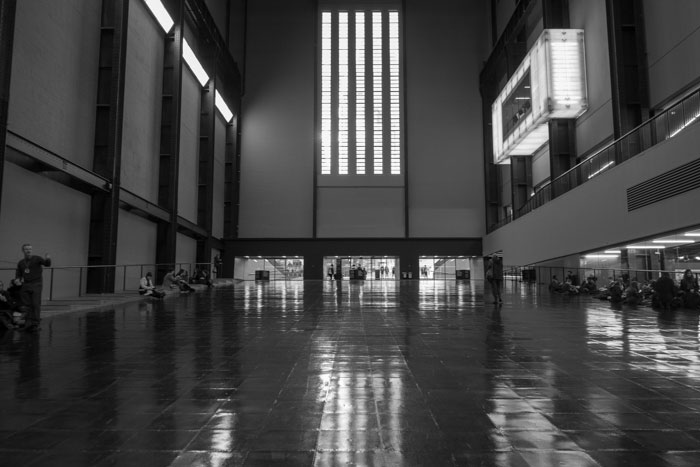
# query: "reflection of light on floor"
[[246, 298], [654, 347]]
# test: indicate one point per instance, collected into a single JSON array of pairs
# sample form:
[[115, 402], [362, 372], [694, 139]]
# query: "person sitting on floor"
[[689, 290], [182, 281], [173, 281], [554, 285], [615, 292], [664, 292], [590, 285], [146, 287], [632, 294], [201, 276]]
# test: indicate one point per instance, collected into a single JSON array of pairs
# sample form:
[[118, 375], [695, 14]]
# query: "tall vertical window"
[[360, 95]]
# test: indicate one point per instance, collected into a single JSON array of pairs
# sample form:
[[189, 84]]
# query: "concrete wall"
[[142, 103], [596, 125], [594, 216], [673, 41], [443, 158], [443, 118], [187, 194], [53, 218], [186, 252], [54, 76], [136, 245], [278, 130]]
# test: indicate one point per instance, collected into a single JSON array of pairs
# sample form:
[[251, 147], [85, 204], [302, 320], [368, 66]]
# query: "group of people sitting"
[[12, 313], [569, 285], [179, 281], [663, 293]]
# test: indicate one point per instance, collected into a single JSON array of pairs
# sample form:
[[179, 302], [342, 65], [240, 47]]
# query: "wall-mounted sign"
[[549, 83]]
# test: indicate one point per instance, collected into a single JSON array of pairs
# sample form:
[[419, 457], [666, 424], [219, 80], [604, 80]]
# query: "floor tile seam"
[[421, 391]]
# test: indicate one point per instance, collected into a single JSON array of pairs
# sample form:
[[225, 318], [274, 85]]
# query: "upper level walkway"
[[396, 373]]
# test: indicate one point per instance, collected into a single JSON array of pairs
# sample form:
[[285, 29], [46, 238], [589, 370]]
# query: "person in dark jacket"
[[29, 274]]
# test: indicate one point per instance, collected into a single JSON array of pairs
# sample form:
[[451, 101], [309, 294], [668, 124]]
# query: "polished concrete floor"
[[381, 373]]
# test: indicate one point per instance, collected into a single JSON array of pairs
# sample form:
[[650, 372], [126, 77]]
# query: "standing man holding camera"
[[29, 273]]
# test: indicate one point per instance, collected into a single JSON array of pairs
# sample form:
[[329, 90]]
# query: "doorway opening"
[[273, 268], [445, 267], [371, 268]]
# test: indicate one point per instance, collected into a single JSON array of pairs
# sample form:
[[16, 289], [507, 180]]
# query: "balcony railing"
[[661, 127]]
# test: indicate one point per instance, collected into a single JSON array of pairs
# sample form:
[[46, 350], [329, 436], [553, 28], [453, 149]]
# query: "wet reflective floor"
[[381, 373]]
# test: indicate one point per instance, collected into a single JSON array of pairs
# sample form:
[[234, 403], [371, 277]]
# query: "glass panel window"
[[360, 92]]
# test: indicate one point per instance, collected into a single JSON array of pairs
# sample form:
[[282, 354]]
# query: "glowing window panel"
[[377, 100], [159, 11], [194, 64], [394, 97], [360, 93], [222, 107], [343, 89], [326, 85]]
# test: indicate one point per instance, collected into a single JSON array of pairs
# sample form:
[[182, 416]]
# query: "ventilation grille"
[[664, 186]]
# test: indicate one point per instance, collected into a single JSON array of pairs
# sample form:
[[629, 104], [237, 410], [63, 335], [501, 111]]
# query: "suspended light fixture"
[[549, 83]]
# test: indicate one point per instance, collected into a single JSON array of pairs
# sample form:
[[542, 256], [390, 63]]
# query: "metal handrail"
[[52, 270], [661, 127]]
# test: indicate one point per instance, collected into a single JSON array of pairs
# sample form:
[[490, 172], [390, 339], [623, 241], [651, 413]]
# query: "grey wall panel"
[[54, 76], [364, 213], [595, 125], [217, 8], [136, 244], [217, 225], [277, 139], [52, 217], [540, 166], [142, 103], [443, 118], [673, 41], [189, 147], [186, 251]]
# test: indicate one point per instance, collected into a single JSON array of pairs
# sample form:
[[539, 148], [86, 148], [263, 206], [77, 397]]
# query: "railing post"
[[80, 283], [124, 283], [51, 286]]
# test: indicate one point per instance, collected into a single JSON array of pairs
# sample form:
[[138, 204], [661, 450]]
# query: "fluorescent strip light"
[[683, 126], [161, 14], [691, 234], [601, 256], [613, 252], [600, 169], [221, 105], [194, 64], [673, 241], [645, 247]]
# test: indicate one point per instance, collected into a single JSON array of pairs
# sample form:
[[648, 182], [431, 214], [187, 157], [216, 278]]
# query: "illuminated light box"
[[549, 83]]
